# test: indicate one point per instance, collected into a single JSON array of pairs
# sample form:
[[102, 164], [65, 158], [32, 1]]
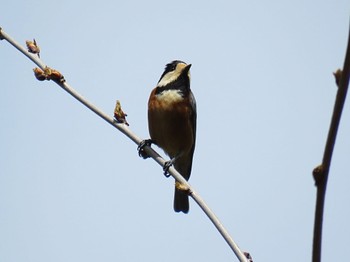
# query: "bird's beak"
[[187, 68]]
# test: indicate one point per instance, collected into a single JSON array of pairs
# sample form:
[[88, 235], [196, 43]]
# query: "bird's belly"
[[171, 130]]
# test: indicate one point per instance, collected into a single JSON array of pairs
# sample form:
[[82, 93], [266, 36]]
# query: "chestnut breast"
[[169, 121]]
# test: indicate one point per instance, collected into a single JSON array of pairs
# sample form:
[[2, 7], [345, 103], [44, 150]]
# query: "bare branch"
[[321, 172], [126, 131]]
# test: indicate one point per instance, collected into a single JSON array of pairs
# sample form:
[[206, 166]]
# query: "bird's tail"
[[183, 165], [181, 203]]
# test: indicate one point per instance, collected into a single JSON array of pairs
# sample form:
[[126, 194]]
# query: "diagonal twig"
[[321, 172], [151, 152]]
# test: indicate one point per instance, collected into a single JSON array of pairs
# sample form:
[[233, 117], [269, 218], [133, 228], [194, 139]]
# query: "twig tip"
[[1, 36], [248, 256]]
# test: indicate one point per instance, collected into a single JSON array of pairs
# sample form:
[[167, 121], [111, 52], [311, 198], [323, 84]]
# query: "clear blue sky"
[[72, 188]]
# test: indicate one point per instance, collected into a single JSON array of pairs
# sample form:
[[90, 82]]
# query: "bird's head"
[[176, 73]]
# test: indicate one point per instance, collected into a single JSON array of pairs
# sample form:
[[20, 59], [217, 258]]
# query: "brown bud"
[[39, 74], [119, 114], [33, 47], [337, 75], [54, 75]]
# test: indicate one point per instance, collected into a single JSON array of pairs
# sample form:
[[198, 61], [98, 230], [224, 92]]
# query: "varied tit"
[[172, 119]]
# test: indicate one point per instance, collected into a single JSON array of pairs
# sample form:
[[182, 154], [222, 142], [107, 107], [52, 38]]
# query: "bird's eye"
[[171, 67]]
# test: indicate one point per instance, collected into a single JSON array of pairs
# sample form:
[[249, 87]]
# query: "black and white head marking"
[[175, 79]]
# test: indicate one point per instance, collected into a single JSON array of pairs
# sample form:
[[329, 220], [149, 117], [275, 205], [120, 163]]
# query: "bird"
[[172, 117]]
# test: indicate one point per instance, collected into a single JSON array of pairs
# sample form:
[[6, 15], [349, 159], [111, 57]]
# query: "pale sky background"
[[72, 188]]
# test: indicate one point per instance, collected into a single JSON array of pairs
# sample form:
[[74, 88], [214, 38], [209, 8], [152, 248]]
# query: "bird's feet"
[[167, 165], [141, 148]]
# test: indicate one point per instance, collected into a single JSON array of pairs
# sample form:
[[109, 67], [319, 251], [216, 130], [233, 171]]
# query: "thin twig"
[[152, 153], [321, 172]]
